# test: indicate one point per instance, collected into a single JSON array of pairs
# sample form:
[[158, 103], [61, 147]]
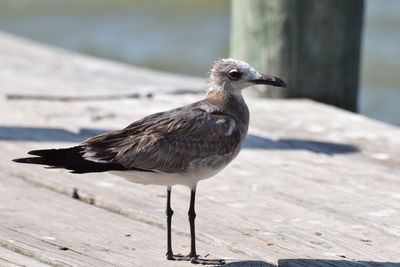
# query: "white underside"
[[199, 169], [189, 179]]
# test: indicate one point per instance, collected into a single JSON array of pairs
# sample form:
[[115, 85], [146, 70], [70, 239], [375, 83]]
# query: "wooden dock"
[[314, 185]]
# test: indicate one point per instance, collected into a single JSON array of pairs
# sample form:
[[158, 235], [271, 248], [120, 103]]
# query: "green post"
[[314, 45]]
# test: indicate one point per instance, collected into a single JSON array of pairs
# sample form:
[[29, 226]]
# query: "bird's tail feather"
[[54, 157], [68, 158]]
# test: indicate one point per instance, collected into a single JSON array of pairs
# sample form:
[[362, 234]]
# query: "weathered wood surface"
[[314, 186], [60, 231], [12, 259], [313, 45]]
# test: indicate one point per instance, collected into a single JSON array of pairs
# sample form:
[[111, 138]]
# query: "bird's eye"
[[234, 74]]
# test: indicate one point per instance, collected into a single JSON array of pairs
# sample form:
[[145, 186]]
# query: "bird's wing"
[[167, 141]]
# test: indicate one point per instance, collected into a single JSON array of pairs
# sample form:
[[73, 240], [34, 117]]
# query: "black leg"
[[169, 212], [192, 257], [192, 217]]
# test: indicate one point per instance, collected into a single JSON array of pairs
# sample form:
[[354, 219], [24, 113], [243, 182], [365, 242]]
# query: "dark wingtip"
[[22, 160], [37, 152], [31, 160]]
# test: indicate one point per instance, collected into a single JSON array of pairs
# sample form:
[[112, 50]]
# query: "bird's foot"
[[195, 259], [203, 261], [170, 256], [179, 257]]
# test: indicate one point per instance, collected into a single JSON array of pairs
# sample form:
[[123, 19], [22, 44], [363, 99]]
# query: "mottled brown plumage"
[[169, 141]]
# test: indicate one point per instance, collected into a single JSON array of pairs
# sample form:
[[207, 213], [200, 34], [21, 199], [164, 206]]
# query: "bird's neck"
[[231, 103], [224, 93], [224, 97]]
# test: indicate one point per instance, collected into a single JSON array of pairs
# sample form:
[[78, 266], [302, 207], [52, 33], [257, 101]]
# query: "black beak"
[[269, 80]]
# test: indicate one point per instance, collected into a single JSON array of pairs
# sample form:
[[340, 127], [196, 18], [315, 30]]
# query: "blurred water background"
[[187, 36]]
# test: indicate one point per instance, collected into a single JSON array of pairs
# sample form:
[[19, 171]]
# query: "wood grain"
[[8, 258], [313, 45]]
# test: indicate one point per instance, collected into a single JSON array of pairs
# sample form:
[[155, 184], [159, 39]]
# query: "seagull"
[[180, 146]]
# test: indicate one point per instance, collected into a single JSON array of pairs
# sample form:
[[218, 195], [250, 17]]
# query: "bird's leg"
[[192, 217], [169, 212], [192, 257]]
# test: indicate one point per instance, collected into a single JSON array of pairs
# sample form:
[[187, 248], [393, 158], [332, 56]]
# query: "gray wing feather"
[[168, 141]]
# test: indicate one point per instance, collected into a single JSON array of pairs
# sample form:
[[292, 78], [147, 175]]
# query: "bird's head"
[[231, 75]]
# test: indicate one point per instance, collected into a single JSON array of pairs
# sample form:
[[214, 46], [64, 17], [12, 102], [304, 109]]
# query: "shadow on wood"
[[47, 134], [252, 141], [250, 264], [333, 263], [313, 263], [257, 142]]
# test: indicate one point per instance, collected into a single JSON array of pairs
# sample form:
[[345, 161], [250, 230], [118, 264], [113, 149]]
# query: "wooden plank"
[[9, 258], [61, 231], [55, 72]]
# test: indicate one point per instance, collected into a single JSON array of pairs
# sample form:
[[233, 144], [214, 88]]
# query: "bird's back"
[[171, 141]]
